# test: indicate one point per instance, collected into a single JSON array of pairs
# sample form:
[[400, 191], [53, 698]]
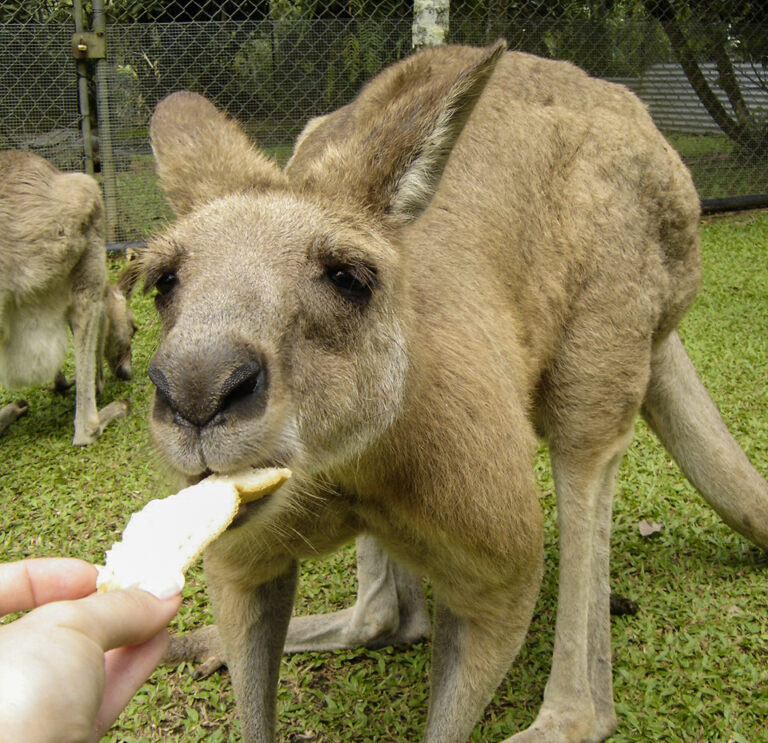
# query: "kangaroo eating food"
[[482, 247]]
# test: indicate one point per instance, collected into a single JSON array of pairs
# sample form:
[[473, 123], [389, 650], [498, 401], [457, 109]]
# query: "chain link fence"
[[273, 64], [38, 87]]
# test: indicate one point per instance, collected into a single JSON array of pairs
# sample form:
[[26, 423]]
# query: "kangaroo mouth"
[[255, 486], [245, 510]]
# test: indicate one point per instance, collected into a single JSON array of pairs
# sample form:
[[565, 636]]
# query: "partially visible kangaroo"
[[497, 246], [53, 276]]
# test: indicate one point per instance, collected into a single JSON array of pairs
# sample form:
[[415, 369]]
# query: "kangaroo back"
[[48, 220]]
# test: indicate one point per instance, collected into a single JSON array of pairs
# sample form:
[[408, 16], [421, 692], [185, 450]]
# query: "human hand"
[[69, 667]]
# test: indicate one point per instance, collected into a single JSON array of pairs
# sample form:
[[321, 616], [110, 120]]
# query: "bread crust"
[[164, 538]]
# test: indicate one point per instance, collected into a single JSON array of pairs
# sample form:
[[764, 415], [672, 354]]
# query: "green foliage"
[[35, 11], [608, 39], [689, 667], [722, 32]]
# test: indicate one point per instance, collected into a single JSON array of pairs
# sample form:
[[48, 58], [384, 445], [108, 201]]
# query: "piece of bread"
[[163, 539]]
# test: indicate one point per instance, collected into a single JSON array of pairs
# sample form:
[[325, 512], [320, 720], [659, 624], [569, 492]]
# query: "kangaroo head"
[[120, 329], [285, 300]]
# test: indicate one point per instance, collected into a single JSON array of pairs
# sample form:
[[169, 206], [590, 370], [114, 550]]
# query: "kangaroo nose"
[[246, 380], [200, 396], [123, 370]]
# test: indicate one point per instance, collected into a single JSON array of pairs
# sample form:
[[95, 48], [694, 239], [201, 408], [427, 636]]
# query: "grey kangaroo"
[[53, 278], [482, 248]]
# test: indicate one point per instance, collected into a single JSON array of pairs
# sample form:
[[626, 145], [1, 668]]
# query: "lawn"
[[717, 170], [691, 665]]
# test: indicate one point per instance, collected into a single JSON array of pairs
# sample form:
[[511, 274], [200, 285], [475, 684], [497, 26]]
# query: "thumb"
[[126, 669]]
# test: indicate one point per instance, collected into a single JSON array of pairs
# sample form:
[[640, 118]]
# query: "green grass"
[[691, 666], [716, 170]]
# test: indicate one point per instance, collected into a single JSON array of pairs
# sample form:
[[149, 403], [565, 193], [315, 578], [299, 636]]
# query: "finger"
[[114, 619], [29, 583], [127, 669]]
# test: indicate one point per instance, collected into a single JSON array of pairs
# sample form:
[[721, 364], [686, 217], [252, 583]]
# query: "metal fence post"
[[82, 93], [108, 172]]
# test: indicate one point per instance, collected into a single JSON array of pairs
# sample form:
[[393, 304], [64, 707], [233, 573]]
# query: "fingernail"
[[163, 587]]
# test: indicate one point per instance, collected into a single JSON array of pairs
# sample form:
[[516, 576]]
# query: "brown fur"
[[53, 276], [480, 248]]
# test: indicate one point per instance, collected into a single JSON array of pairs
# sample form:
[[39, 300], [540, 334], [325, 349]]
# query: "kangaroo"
[[492, 247], [53, 276]]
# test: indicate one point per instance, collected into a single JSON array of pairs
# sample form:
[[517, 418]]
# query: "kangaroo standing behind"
[[496, 247], [53, 277]]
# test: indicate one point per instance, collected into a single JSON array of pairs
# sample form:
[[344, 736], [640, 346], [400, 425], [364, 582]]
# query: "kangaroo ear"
[[202, 154], [400, 130], [415, 186], [131, 274]]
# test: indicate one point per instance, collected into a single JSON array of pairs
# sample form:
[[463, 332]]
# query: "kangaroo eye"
[[346, 280], [354, 282], [166, 283]]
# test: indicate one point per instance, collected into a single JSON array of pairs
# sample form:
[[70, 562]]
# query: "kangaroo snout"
[[211, 389], [123, 369]]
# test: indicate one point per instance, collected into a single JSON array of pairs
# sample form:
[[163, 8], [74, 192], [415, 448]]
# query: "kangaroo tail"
[[683, 416]]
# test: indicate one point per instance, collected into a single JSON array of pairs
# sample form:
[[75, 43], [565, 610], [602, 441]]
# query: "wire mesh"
[[273, 64], [700, 67], [271, 68], [38, 87]]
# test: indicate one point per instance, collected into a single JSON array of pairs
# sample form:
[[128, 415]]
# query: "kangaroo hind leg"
[[578, 698], [390, 610], [588, 401]]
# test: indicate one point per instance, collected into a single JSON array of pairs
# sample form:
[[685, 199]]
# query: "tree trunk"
[[665, 14], [730, 84]]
